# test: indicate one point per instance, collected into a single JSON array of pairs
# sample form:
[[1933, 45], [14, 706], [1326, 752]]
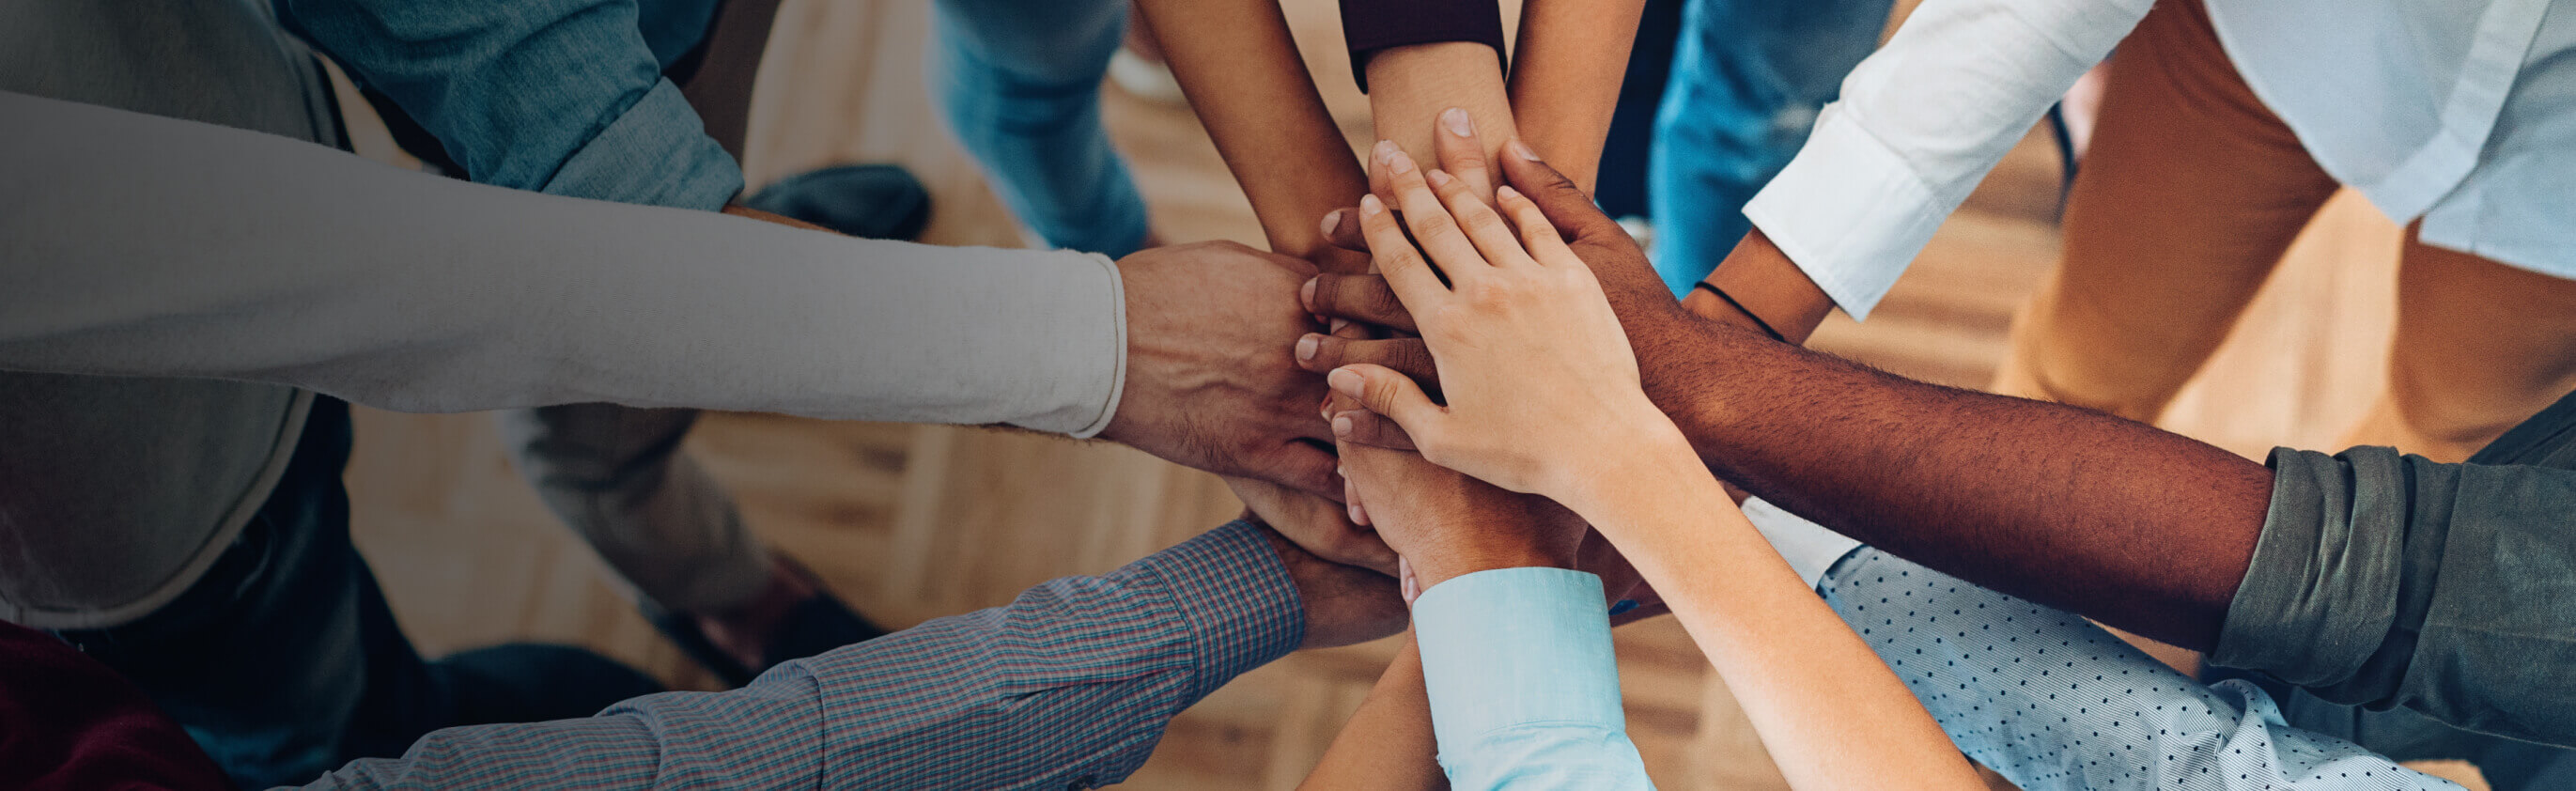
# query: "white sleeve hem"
[[1849, 212], [1118, 342]]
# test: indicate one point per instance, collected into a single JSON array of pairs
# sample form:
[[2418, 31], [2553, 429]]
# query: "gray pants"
[[619, 477]]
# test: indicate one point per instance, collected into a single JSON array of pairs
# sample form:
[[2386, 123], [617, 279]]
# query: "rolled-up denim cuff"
[[656, 153]]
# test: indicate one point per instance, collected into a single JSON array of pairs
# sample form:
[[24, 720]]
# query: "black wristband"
[[1372, 25], [1740, 308]]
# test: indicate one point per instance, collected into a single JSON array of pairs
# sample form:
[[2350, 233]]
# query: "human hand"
[[1627, 277], [1541, 383], [1209, 383], [1343, 604], [1321, 526], [1646, 309], [1445, 524]]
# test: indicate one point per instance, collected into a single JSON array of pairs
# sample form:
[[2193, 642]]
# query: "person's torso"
[[115, 492], [2462, 112]]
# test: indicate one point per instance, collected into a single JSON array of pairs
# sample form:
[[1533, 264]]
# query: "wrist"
[[1638, 462], [1433, 568], [1765, 291]]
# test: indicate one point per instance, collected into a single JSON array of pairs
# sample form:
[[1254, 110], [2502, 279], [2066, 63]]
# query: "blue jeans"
[[1020, 83], [1748, 78]]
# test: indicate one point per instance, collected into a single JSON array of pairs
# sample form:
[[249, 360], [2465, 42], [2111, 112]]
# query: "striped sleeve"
[[1070, 685]]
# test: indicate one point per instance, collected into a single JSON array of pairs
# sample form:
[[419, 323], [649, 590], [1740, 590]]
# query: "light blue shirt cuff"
[[1524, 684]]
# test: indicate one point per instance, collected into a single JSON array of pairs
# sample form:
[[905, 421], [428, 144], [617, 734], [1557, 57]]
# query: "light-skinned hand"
[[1539, 377], [1210, 381]]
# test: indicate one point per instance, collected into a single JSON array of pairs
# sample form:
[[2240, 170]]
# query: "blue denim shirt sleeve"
[[1523, 682], [558, 96], [1070, 685]]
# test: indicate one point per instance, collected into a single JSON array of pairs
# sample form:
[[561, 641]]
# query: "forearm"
[[1387, 744], [1243, 75], [2144, 530], [1070, 684], [1769, 291], [280, 261], [1810, 686], [1410, 86], [1565, 78]]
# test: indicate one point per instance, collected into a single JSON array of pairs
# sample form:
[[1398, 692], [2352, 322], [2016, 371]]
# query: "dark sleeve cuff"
[[2322, 589], [1370, 26]]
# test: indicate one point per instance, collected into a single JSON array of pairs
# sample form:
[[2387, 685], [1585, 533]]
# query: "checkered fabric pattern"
[[1069, 686]]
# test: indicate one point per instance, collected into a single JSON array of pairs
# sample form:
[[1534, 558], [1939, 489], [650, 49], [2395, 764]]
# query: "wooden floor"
[[916, 522]]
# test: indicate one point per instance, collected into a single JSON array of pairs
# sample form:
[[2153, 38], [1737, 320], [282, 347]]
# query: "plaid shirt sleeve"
[[1069, 686]]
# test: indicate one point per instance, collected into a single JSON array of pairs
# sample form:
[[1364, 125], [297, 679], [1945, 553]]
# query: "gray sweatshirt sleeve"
[[2383, 581], [136, 245]]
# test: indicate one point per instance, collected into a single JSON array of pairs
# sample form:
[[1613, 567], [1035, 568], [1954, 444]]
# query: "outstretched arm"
[[1070, 684], [1387, 744], [2145, 530], [1986, 487], [1240, 69], [1565, 78]]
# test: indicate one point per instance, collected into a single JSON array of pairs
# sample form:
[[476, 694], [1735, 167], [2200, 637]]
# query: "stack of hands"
[[1541, 408], [1487, 413]]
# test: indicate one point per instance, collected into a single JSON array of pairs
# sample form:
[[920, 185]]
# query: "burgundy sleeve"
[[1369, 26]]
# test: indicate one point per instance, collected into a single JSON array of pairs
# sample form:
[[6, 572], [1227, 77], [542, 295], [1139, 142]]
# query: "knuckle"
[[1415, 355], [1328, 292], [1381, 302], [1479, 219], [1403, 257]]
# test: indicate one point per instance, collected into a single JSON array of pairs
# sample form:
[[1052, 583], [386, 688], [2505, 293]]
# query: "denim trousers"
[[1747, 81], [1019, 82]]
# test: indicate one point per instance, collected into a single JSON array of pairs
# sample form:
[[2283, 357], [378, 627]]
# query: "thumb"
[[1388, 393], [1567, 207]]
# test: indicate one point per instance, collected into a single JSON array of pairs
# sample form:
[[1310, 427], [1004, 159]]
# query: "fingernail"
[[1306, 348], [1358, 517], [1522, 150], [1337, 325], [1371, 206], [1622, 606], [1338, 470], [1306, 294], [1458, 122], [1342, 426], [1385, 151], [1332, 220], [1437, 178], [1399, 162], [1506, 191], [1344, 381]]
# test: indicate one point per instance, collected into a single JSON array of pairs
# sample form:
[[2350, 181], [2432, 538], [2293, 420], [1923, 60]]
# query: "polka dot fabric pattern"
[[2054, 702]]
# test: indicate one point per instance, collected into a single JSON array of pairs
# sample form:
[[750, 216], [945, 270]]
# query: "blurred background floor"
[[916, 522]]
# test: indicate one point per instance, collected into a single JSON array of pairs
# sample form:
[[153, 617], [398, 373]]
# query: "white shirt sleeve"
[[1919, 124], [137, 245]]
